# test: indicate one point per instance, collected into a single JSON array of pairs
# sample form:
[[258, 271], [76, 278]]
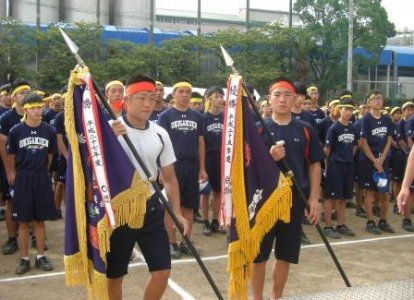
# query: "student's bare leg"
[[257, 280], [327, 209], [188, 215], [341, 207], [39, 232], [23, 239], [169, 227], [383, 199], [10, 224], [369, 199], [280, 274], [156, 285], [204, 206], [115, 288], [59, 194]]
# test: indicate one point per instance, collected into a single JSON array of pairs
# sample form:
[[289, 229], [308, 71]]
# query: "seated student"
[[340, 145]]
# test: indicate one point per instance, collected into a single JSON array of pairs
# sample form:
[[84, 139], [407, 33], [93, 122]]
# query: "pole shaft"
[[350, 45]]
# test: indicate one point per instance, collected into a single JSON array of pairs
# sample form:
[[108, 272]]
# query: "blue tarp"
[[404, 56]]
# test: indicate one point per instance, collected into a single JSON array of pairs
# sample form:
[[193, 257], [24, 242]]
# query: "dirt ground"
[[367, 259]]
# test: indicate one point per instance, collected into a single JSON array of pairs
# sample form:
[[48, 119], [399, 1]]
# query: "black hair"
[[32, 98], [300, 88], [5, 87], [19, 82], [347, 101], [196, 95], [139, 78], [213, 89], [168, 98], [346, 93]]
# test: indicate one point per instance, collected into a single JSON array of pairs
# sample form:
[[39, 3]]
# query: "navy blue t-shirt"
[[8, 120], [212, 131], [318, 115], [376, 131], [358, 125], [3, 110], [295, 145], [48, 116], [156, 113], [306, 117], [60, 126], [184, 128], [341, 139], [323, 129], [401, 131], [31, 145], [409, 128]]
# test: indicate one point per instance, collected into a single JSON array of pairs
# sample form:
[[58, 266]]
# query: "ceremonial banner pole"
[[282, 164], [74, 50]]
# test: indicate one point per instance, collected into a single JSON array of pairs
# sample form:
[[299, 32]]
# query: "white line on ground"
[[179, 290], [210, 258]]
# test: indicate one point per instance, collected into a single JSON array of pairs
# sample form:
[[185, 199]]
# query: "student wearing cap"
[[114, 93], [31, 145], [347, 94], [316, 112], [212, 131], [160, 104], [340, 145], [6, 100], [184, 126], [265, 109], [19, 90], [306, 167], [156, 150], [375, 142]]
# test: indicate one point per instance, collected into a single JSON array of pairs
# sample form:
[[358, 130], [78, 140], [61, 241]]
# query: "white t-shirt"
[[153, 145]]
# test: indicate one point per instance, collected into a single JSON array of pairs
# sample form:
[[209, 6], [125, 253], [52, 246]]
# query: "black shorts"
[[398, 165], [55, 163], [187, 176], [339, 181], [213, 169], [366, 169], [152, 239], [61, 170], [287, 235], [5, 187], [33, 196]]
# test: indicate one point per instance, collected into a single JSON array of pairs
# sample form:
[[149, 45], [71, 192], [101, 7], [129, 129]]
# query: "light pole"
[[350, 45]]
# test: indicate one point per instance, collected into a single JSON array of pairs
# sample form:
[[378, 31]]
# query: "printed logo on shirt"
[[215, 127], [184, 125], [380, 132], [33, 143], [346, 138]]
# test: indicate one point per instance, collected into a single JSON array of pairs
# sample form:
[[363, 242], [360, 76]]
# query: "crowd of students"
[[349, 148]]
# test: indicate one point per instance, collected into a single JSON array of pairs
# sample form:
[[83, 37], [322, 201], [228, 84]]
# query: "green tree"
[[16, 48], [327, 20]]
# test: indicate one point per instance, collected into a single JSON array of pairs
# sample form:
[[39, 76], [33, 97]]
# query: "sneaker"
[[304, 239], [407, 225], [206, 228], [331, 233], [175, 251], [44, 264], [197, 217], [185, 249], [10, 247], [23, 266], [376, 211], [34, 244], [384, 226], [344, 230], [360, 212], [216, 228], [2, 215], [371, 227]]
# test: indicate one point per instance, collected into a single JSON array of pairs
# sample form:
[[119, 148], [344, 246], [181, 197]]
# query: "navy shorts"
[[54, 164], [339, 181], [187, 176], [61, 170], [356, 166], [152, 239], [33, 196], [287, 235], [398, 165], [5, 187], [213, 169], [366, 169]]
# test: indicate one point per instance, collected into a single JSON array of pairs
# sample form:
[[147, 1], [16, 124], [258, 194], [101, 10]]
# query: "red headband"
[[142, 86], [282, 84]]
